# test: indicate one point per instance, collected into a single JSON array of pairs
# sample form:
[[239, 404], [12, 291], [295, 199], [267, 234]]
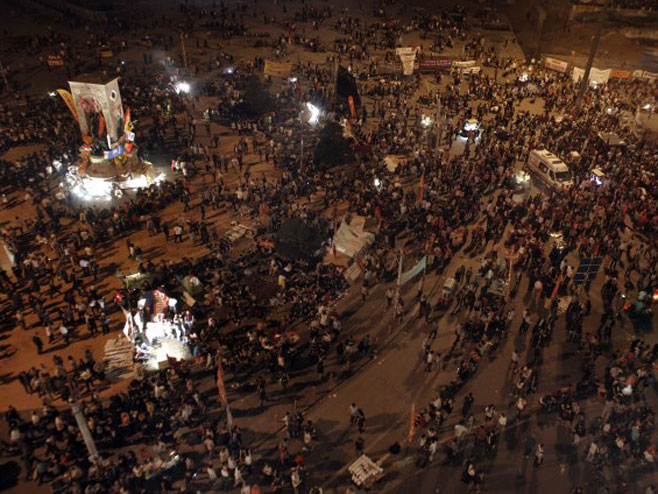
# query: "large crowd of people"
[[267, 316]]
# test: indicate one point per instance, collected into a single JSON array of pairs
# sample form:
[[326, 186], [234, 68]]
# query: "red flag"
[[420, 188], [412, 423], [101, 125], [220, 383]]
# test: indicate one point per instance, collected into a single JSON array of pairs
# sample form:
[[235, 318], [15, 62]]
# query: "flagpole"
[[333, 236], [397, 283], [422, 281], [221, 389]]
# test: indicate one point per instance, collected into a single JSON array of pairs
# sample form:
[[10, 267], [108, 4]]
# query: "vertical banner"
[[68, 99], [408, 58], [221, 389]]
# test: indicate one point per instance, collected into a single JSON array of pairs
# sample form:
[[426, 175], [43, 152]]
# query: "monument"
[[109, 160]]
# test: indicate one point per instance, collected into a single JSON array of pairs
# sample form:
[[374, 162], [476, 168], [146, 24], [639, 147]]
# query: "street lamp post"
[[590, 61], [182, 42], [84, 430]]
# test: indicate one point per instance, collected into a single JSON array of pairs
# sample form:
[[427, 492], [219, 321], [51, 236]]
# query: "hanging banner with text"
[[277, 69], [407, 57], [465, 64], [555, 64], [435, 65], [55, 60], [620, 74], [645, 74], [595, 75]]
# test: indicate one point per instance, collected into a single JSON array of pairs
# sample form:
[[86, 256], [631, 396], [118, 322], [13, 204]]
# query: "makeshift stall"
[[158, 333]]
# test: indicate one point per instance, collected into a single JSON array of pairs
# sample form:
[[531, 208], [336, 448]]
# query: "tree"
[[297, 239], [256, 101], [332, 148]]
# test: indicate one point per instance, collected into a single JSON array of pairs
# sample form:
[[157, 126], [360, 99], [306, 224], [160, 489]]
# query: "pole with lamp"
[[84, 430], [182, 42]]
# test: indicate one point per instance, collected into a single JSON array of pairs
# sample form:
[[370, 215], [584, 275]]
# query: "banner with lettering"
[[277, 69], [408, 58], [555, 64], [434, 65]]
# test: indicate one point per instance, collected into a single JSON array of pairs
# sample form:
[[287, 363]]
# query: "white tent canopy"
[[351, 237]]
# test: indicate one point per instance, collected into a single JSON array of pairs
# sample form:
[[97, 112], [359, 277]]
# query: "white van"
[[549, 169]]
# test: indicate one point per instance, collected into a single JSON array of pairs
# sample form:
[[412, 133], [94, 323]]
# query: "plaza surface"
[[385, 385]]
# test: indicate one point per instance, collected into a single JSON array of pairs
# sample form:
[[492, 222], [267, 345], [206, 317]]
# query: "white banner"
[[599, 76], [407, 57], [644, 74], [464, 65], [418, 268], [595, 75], [555, 64], [470, 70]]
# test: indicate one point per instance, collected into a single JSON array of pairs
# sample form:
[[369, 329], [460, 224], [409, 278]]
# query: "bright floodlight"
[[522, 177], [315, 113], [89, 188], [141, 182], [471, 124], [647, 106], [426, 121], [292, 79], [182, 87]]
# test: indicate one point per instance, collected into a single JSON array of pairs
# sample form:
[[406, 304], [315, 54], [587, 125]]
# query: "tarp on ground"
[[392, 161], [192, 285], [353, 235]]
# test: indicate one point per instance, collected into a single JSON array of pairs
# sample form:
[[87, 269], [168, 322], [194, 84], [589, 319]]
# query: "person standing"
[[353, 413], [359, 445], [178, 234], [63, 330], [364, 293], [539, 454], [360, 420], [468, 403], [390, 294], [520, 406], [38, 343]]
